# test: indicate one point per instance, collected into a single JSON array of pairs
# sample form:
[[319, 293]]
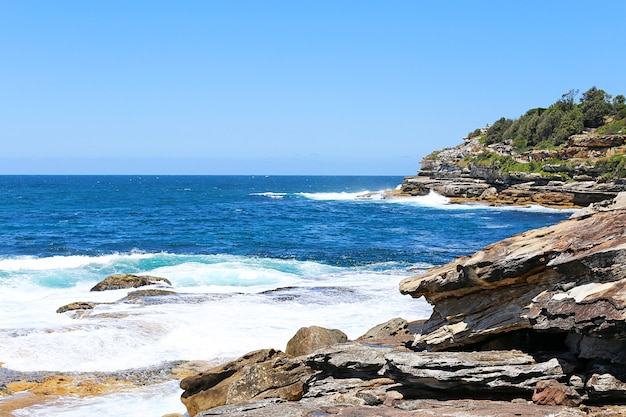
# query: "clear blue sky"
[[283, 87]]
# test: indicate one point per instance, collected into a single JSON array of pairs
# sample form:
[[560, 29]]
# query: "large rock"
[[563, 279], [116, 282], [309, 339], [257, 375]]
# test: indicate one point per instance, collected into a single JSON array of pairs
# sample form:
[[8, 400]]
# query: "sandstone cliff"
[[583, 171]]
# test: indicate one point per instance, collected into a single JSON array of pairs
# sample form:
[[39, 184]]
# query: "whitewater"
[[250, 258]]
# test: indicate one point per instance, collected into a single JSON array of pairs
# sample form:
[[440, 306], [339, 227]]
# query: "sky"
[[307, 87]]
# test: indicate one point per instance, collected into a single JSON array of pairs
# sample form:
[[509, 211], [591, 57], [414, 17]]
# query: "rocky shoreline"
[[534, 325], [576, 182]]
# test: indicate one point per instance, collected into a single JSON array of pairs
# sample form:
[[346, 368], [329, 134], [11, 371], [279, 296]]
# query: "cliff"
[[586, 169]]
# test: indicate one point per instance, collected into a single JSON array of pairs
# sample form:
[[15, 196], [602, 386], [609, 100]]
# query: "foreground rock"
[[554, 288], [258, 375], [116, 282]]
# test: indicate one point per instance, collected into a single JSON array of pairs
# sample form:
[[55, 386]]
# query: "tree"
[[566, 103], [496, 131], [595, 106]]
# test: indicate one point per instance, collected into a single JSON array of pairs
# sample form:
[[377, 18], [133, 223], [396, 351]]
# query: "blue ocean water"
[[332, 246], [318, 219]]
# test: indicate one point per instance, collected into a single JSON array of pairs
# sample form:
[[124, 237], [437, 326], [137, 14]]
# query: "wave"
[[224, 306], [270, 194]]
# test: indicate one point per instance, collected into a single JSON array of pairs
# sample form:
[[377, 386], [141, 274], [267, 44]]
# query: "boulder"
[[309, 339], [116, 282], [397, 327], [257, 375]]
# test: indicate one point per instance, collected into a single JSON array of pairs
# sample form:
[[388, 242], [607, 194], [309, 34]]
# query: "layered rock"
[[565, 280], [577, 182]]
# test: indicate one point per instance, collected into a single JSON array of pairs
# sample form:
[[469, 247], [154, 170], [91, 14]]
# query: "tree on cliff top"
[[541, 127]]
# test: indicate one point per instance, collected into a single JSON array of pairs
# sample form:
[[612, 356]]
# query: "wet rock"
[[309, 339], [143, 295], [79, 305], [116, 282]]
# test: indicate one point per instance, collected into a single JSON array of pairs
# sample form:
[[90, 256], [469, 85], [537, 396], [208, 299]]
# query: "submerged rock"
[[116, 282], [79, 305]]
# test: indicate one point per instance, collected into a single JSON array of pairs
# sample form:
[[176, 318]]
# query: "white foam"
[[32, 263], [436, 200], [270, 194], [345, 196], [139, 335]]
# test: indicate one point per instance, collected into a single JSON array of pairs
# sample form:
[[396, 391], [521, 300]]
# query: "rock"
[[257, 375], [503, 374], [562, 279], [392, 328], [575, 182], [116, 282], [349, 360], [79, 305], [605, 387], [552, 392], [399, 408], [309, 339], [142, 295]]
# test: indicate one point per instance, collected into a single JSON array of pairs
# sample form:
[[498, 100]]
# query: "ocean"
[[251, 258]]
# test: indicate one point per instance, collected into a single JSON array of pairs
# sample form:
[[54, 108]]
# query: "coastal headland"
[[568, 177]]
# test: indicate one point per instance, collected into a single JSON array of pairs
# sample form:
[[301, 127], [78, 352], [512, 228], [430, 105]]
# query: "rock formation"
[[539, 316], [577, 181], [116, 282]]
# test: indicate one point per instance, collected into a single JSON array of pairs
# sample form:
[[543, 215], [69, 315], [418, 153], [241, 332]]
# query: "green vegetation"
[[547, 128], [613, 167]]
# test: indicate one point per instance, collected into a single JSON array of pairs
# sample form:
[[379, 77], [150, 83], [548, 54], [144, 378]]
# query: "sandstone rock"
[[498, 373], [400, 408], [392, 328], [142, 295], [116, 282], [351, 359], [309, 339], [576, 182], [552, 392], [258, 375], [79, 305], [563, 278]]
